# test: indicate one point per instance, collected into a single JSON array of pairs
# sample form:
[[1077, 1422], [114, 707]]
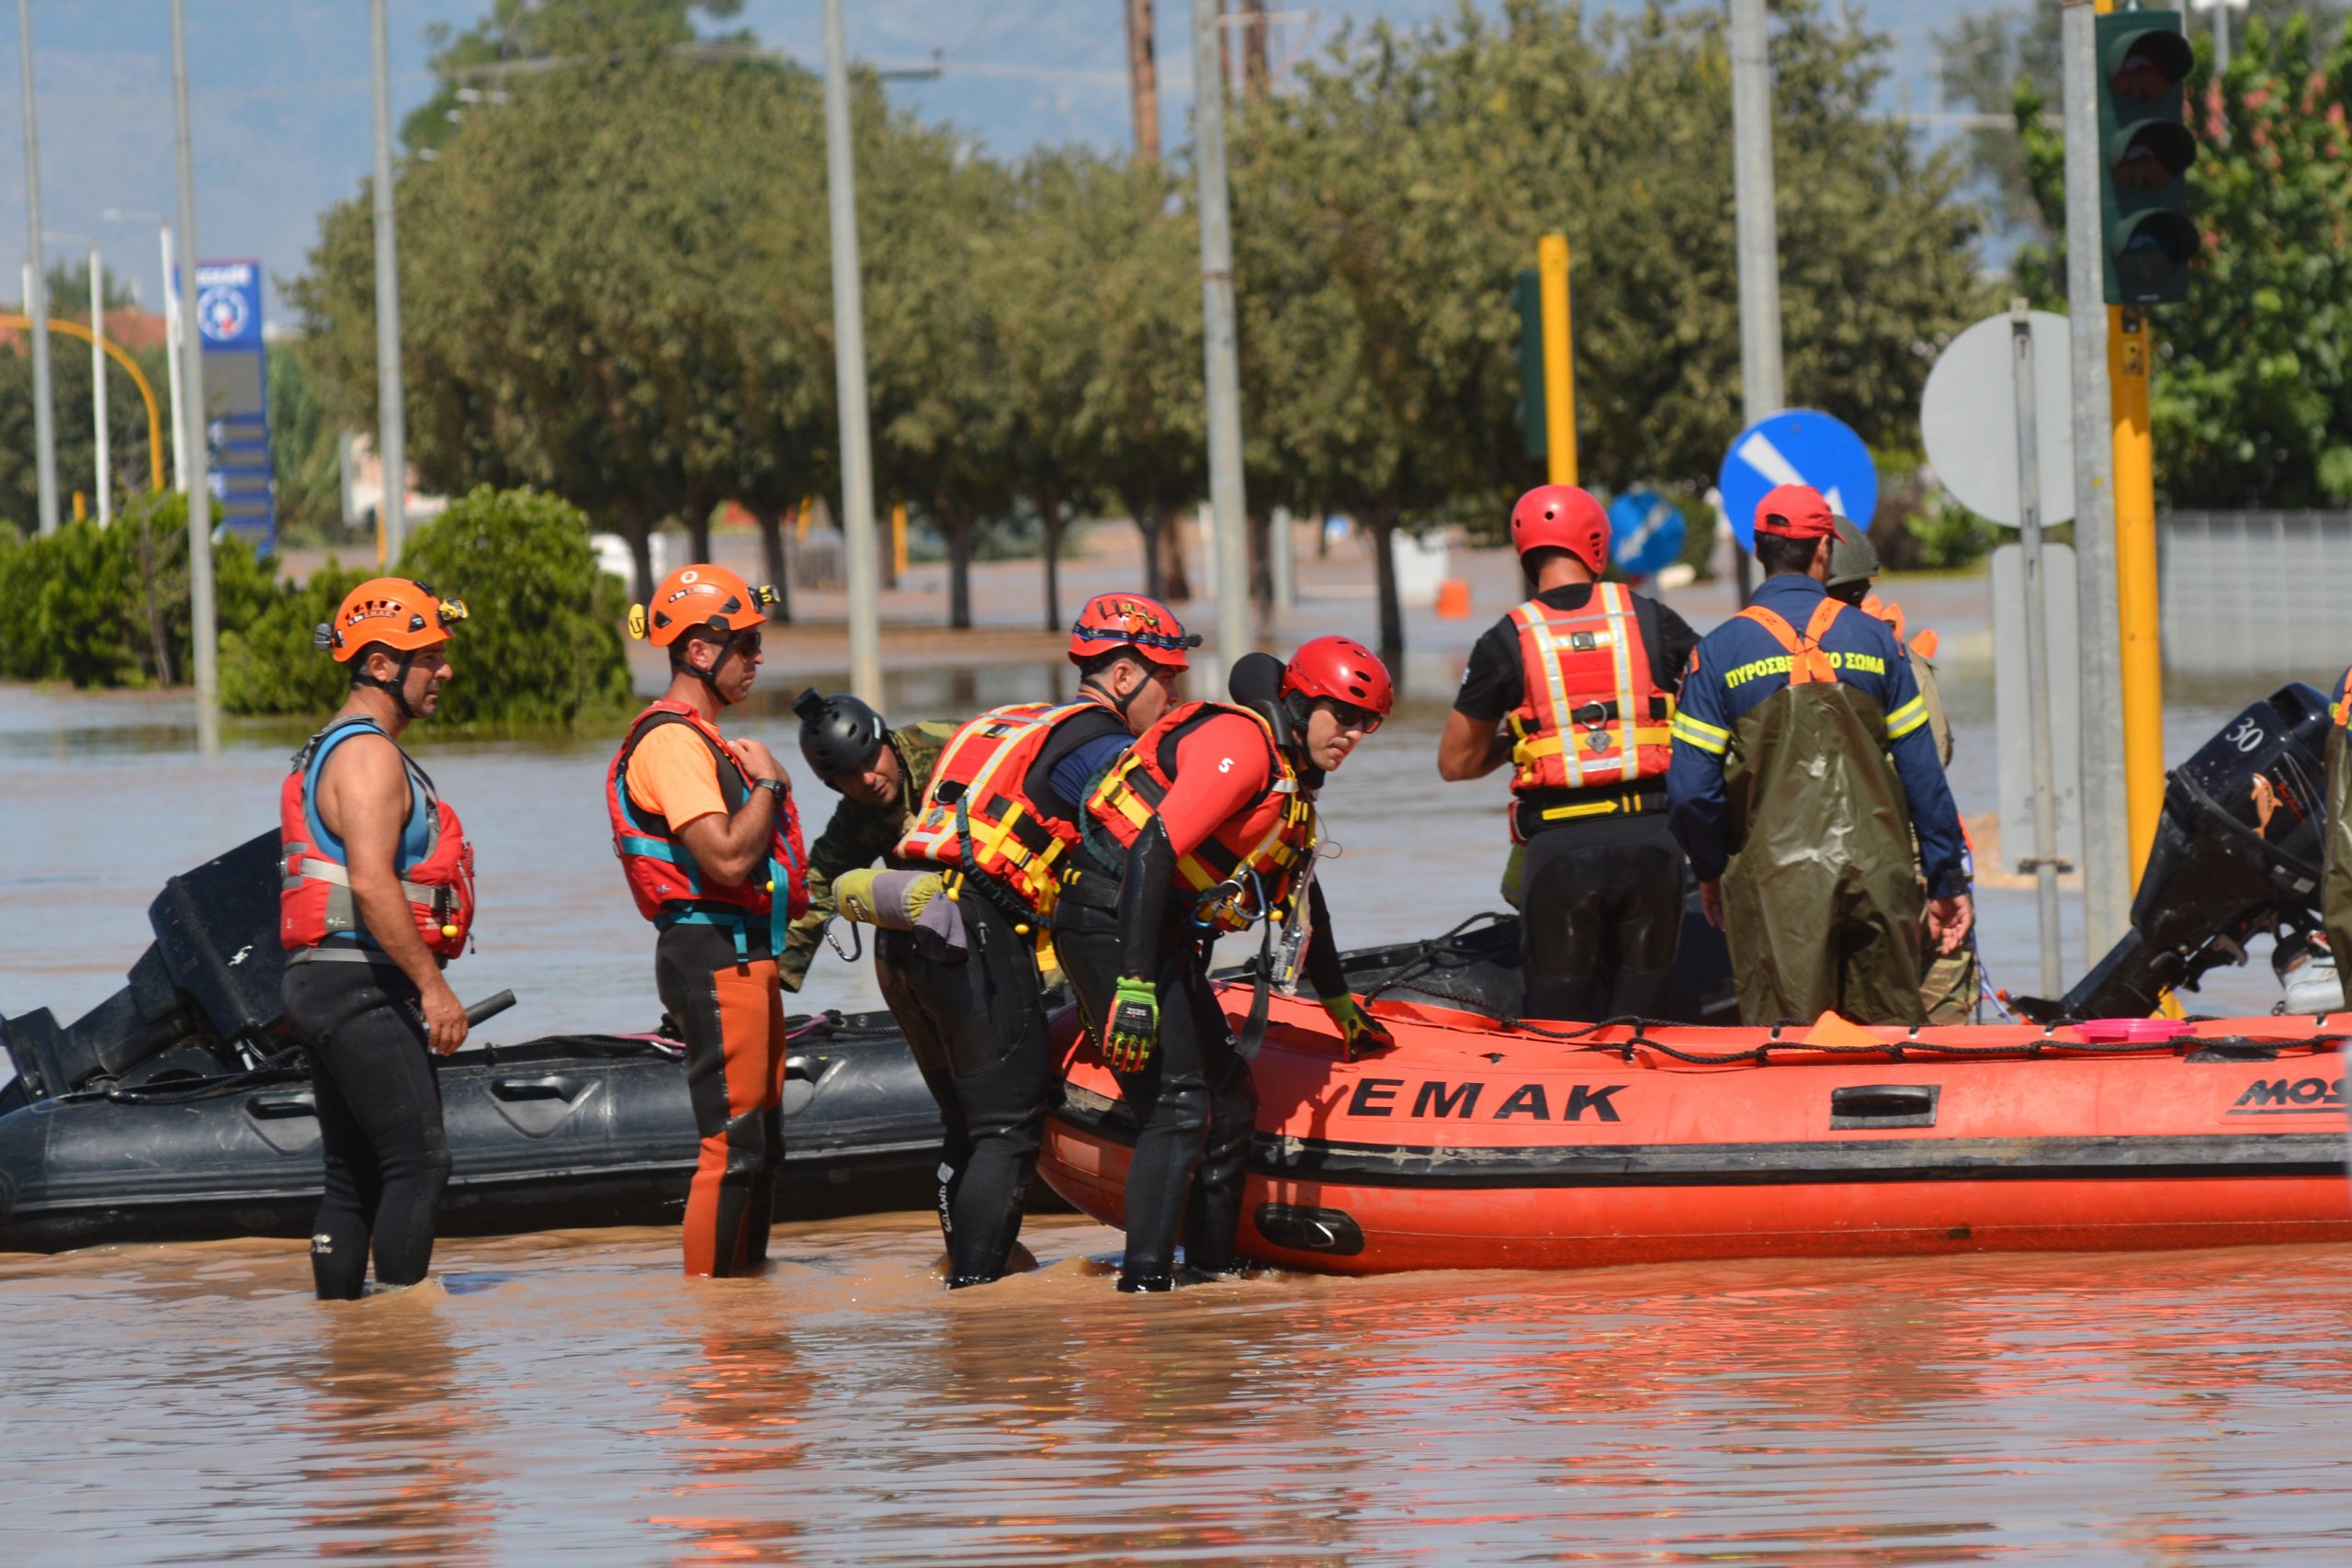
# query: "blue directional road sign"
[[1797, 447], [1645, 533], [236, 396]]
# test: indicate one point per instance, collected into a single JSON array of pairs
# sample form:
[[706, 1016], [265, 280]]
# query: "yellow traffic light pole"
[[1559, 370], [2129, 353]]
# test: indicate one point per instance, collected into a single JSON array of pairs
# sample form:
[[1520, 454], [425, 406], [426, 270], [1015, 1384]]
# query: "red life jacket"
[[1248, 869], [1592, 712], [980, 812], [669, 888], [315, 908]]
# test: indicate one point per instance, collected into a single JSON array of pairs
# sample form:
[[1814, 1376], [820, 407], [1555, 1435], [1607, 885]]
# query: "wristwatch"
[[774, 787]]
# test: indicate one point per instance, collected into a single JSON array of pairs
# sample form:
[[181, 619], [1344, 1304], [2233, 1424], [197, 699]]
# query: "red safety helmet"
[[1342, 670], [398, 612], [1110, 621], [1562, 517], [700, 598]]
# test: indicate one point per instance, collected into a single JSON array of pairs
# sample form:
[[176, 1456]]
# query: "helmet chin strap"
[[397, 686], [726, 646]]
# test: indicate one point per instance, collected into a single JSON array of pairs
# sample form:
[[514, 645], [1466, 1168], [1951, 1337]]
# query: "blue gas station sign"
[[227, 313]]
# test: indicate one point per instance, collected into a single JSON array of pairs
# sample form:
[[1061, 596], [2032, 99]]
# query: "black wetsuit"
[[377, 1085]]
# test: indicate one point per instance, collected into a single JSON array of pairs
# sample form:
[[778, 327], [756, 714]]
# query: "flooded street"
[[570, 1392]]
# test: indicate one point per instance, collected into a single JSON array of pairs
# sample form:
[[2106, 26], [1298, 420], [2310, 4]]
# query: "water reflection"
[[391, 1458]]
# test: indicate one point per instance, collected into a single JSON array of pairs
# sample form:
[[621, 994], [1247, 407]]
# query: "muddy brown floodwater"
[[570, 1392]]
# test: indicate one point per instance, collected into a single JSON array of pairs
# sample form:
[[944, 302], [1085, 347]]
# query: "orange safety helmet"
[[1562, 517], [700, 598], [1110, 621], [397, 612]]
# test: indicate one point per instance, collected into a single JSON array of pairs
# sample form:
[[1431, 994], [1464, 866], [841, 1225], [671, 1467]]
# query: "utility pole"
[[37, 292], [392, 423], [861, 563], [2107, 870], [171, 325], [102, 465], [193, 450], [1143, 80], [98, 385], [1227, 501], [1758, 228]]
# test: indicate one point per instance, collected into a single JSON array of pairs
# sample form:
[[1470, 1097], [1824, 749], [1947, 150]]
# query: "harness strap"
[[1808, 662]]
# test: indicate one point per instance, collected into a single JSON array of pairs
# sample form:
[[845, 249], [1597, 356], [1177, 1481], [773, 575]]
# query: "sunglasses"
[[1350, 716]]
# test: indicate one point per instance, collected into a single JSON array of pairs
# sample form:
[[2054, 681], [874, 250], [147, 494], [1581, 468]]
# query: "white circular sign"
[[1968, 419]]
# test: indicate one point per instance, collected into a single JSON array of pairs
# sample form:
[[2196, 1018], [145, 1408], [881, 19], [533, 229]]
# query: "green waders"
[[1822, 901], [2335, 881]]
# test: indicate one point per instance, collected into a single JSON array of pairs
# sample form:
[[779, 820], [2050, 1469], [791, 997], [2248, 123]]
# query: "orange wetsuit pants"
[[732, 1014]]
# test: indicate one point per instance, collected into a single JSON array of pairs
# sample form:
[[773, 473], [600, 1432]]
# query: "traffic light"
[[1527, 298], [2146, 149]]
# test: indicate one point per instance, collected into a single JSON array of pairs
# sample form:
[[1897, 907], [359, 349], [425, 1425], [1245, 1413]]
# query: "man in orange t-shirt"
[[710, 845]]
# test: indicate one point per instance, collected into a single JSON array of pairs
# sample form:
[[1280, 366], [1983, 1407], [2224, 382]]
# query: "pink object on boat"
[[2133, 1030]]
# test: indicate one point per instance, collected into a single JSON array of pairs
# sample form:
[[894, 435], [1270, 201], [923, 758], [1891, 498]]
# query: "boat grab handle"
[[1883, 1105], [548, 1087], [270, 1107]]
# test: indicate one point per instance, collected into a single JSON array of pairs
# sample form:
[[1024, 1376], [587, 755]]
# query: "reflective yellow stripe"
[[1614, 596], [1704, 736], [1906, 718], [1625, 804]]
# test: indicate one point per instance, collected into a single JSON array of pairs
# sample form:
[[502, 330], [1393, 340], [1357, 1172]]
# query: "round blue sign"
[[1646, 533], [1797, 447]]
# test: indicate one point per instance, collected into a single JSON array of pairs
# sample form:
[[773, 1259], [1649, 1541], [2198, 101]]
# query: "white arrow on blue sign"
[[1797, 447], [1646, 533]]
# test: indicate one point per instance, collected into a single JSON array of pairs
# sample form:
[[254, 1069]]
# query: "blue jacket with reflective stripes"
[[1739, 664]]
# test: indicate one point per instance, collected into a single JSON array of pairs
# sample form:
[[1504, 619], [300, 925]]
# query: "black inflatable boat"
[[178, 1111]]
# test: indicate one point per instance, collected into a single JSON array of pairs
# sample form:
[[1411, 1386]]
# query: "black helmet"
[[839, 735]]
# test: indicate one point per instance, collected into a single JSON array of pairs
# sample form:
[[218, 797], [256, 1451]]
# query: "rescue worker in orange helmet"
[[375, 894], [1574, 690], [709, 843], [975, 880], [1207, 825], [1798, 829]]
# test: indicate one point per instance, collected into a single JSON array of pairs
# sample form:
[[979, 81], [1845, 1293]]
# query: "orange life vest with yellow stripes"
[[979, 814], [1248, 869], [1592, 712]]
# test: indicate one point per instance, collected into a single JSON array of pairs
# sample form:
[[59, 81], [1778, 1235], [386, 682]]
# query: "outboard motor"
[[2237, 852], [209, 980]]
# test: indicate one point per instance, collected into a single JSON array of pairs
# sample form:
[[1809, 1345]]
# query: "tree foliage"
[[617, 283]]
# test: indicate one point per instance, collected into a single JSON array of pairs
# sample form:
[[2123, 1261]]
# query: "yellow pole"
[[807, 515], [131, 367], [898, 538], [2128, 356], [1559, 369]]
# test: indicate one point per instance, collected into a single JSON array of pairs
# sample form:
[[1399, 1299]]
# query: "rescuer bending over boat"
[[998, 830], [1799, 833], [1208, 825]]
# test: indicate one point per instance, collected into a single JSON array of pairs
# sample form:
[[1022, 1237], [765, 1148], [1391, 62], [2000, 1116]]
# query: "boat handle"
[[1883, 1105], [548, 1087], [271, 1107]]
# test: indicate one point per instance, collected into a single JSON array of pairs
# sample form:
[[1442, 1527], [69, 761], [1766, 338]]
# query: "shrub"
[[109, 607], [541, 643]]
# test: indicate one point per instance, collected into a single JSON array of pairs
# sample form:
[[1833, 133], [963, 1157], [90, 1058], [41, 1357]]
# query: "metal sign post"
[[2045, 863]]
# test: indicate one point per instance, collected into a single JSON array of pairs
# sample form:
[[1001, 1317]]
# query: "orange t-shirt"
[[674, 774]]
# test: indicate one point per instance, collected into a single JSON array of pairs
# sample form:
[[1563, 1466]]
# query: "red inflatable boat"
[[1475, 1146]]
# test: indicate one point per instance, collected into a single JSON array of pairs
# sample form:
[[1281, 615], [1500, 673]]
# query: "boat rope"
[[2243, 1046]]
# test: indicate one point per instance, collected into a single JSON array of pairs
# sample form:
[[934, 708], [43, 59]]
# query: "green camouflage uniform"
[[859, 834]]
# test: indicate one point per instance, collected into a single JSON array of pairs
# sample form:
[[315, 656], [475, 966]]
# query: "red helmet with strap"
[[1562, 517], [1342, 670], [1111, 621]]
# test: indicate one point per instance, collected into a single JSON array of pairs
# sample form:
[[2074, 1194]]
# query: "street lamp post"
[[171, 325], [37, 288], [391, 426], [859, 546], [199, 484]]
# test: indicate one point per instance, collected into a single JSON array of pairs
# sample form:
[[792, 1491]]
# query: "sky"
[[281, 115]]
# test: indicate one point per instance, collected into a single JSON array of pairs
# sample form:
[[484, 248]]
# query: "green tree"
[[1383, 210], [541, 643], [127, 449]]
